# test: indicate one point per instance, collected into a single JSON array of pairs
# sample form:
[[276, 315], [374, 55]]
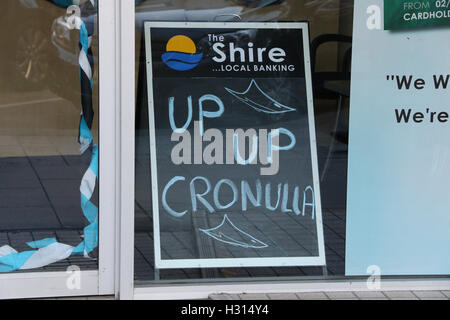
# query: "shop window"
[[48, 210], [219, 213], [179, 239]]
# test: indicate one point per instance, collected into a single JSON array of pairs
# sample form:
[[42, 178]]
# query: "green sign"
[[409, 14]]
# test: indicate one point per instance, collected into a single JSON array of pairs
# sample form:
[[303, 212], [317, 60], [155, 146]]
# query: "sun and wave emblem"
[[181, 54]]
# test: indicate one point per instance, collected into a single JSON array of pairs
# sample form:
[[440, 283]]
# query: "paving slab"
[[65, 192], [59, 172], [282, 296], [253, 296], [14, 218], [422, 295], [341, 295], [16, 179], [14, 163], [47, 161], [23, 197], [312, 296], [224, 297], [369, 295], [71, 216], [401, 295]]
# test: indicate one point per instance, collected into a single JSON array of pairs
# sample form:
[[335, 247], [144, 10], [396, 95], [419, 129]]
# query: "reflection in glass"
[[48, 207]]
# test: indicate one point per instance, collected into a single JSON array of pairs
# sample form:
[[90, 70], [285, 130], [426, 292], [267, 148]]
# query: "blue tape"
[[41, 243], [14, 261]]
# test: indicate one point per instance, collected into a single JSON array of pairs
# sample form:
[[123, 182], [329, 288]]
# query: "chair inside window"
[[323, 79], [320, 77]]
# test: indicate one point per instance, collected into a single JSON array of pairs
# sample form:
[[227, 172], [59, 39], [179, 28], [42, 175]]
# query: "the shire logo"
[[248, 57], [181, 54]]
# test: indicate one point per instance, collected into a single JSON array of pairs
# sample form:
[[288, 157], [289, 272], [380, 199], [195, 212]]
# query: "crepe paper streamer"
[[66, 3], [48, 251]]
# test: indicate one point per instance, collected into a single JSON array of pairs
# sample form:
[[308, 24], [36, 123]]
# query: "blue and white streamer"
[[48, 251]]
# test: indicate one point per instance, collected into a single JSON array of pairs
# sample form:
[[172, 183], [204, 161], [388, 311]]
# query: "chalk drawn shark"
[[247, 240], [256, 98]]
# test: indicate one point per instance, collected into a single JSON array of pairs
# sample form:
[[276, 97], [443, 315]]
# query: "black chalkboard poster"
[[232, 145]]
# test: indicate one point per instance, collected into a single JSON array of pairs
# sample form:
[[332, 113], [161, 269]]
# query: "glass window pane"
[[332, 17], [205, 216], [46, 223]]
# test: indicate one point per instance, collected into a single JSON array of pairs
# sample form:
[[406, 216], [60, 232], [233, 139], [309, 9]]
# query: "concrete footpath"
[[342, 295]]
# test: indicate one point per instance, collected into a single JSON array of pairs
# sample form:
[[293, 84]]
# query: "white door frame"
[[101, 281], [127, 70]]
